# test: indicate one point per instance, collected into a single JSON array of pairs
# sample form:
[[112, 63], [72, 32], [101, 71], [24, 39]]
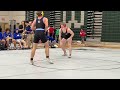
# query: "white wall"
[[76, 24], [10, 15]]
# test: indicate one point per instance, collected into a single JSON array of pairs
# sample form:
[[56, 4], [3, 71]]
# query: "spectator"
[[52, 41], [17, 36], [21, 27], [30, 34], [51, 31], [8, 38], [57, 35], [83, 36], [54, 32], [30, 23]]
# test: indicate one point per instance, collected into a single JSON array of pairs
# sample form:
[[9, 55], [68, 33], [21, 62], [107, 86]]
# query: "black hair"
[[8, 29], [26, 21]]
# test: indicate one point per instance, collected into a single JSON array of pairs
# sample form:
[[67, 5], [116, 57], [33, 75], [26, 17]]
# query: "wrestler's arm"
[[46, 24], [71, 32], [60, 35], [33, 26]]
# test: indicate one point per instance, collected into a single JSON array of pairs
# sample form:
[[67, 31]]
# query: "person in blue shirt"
[[30, 33], [17, 36], [52, 41], [1, 38], [9, 38]]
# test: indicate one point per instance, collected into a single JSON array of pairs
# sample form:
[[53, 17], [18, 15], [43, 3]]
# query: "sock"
[[31, 59], [47, 56]]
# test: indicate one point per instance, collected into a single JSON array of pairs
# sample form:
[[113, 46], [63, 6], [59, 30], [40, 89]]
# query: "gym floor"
[[86, 63]]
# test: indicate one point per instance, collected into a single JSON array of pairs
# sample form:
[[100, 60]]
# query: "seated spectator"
[[8, 38], [1, 37], [52, 41], [17, 36]]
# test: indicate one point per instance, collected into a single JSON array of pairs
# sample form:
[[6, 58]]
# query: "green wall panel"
[[68, 16], [78, 16], [111, 26]]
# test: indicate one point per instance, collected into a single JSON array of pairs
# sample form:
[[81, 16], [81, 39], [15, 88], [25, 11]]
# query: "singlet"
[[65, 35], [40, 24]]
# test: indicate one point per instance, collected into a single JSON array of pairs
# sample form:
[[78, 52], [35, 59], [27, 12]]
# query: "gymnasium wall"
[[111, 26], [74, 19], [5, 16]]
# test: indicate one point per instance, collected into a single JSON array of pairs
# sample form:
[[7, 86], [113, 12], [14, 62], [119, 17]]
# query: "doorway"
[[4, 26]]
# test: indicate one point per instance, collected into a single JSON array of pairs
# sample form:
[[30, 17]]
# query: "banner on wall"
[[4, 19]]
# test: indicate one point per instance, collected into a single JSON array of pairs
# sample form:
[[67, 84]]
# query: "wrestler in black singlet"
[[40, 31], [65, 35]]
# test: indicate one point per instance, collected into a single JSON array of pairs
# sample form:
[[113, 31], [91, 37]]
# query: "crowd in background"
[[23, 36]]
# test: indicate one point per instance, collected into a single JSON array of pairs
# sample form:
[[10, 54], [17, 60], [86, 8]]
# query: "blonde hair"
[[64, 24], [40, 13]]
